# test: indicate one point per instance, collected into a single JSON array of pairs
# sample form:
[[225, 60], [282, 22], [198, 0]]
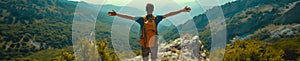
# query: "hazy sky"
[[163, 6], [121, 2], [124, 2]]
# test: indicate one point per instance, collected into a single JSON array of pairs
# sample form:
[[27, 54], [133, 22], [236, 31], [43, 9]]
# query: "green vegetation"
[[255, 50], [252, 51], [67, 54], [27, 38], [244, 17], [30, 26], [106, 53], [40, 30], [290, 46]]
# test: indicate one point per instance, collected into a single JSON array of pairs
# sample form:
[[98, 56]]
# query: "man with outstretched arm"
[[148, 23]]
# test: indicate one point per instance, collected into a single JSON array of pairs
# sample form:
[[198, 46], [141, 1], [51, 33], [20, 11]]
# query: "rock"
[[185, 52], [181, 49], [297, 27], [285, 31], [137, 58]]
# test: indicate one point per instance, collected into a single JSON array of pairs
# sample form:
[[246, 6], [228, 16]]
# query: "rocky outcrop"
[[276, 31], [181, 49]]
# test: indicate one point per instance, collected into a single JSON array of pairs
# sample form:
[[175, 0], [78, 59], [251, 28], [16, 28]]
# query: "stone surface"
[[181, 49]]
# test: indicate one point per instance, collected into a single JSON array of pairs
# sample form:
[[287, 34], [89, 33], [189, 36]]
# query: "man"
[[148, 25]]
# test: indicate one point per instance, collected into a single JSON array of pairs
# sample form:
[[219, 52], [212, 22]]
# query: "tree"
[[252, 51]]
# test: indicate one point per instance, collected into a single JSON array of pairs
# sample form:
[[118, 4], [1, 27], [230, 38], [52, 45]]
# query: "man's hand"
[[186, 9], [112, 13]]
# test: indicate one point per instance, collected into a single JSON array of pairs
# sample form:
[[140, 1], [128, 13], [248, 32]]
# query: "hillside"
[[256, 30], [244, 17], [30, 26]]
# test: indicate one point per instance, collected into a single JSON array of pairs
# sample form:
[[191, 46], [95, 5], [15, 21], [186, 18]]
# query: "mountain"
[[256, 30], [30, 26], [244, 17], [272, 32]]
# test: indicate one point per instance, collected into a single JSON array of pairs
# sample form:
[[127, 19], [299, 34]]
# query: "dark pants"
[[152, 50]]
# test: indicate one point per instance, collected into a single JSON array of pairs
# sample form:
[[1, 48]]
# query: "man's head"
[[149, 8]]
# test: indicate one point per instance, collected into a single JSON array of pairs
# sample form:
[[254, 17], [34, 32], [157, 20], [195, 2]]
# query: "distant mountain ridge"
[[244, 17], [29, 26]]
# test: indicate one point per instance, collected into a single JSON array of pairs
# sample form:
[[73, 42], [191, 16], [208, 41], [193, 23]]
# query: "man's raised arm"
[[186, 9], [113, 13]]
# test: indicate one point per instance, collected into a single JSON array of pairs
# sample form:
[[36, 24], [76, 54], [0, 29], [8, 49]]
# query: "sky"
[[170, 4], [164, 6], [120, 2], [125, 2]]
